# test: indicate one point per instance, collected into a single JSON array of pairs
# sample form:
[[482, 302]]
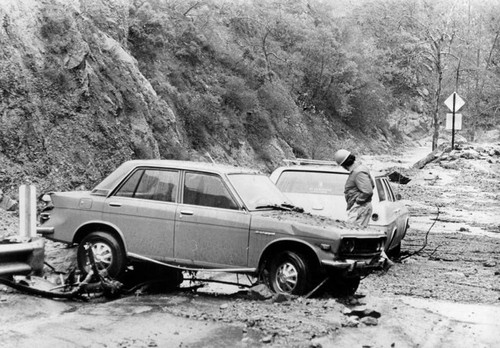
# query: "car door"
[[398, 209], [143, 209], [383, 208], [210, 228], [390, 212]]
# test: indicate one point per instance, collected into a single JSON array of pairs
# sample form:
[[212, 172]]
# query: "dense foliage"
[[357, 64]]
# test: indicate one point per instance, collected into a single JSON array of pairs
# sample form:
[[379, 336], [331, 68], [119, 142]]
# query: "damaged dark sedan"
[[200, 216]]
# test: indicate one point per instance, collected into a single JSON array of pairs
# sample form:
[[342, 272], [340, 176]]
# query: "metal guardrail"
[[25, 254], [22, 257]]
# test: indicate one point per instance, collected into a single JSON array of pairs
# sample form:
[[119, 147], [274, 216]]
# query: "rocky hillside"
[[82, 89]]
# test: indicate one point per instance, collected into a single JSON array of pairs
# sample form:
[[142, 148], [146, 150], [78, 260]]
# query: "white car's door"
[[396, 211]]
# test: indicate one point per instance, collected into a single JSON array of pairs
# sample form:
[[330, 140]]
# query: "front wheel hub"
[[103, 255], [286, 277]]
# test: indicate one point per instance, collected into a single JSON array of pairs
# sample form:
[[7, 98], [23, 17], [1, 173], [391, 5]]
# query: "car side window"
[[129, 187], [152, 184], [390, 194], [207, 190], [380, 190]]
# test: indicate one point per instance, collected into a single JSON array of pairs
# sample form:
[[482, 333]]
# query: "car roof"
[[117, 175], [192, 165], [319, 168], [313, 168]]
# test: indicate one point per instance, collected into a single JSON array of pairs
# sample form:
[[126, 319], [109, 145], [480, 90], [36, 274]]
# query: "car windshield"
[[257, 191], [323, 183]]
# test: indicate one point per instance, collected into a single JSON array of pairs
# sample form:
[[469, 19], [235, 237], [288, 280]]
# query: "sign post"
[[454, 103]]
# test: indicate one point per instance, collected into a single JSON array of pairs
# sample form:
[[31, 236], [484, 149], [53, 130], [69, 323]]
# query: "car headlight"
[[380, 245], [348, 245]]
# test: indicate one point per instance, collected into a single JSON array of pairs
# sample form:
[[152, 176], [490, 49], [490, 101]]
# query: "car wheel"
[[108, 254], [341, 286], [289, 273]]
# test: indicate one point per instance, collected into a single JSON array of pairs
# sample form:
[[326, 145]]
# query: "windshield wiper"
[[293, 207], [284, 207]]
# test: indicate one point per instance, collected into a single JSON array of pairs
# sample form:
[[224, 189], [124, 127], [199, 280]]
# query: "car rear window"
[[151, 184], [312, 182]]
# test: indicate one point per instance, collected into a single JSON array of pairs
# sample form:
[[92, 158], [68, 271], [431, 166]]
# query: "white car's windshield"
[[257, 191], [320, 183]]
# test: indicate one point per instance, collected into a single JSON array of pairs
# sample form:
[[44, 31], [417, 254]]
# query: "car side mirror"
[[398, 197]]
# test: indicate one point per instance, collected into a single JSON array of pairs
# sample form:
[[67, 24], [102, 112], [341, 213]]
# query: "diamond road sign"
[[459, 102]]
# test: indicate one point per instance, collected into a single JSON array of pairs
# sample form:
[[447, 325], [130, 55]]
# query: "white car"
[[318, 187]]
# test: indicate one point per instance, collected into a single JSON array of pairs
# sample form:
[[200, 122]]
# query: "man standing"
[[358, 193], [358, 189]]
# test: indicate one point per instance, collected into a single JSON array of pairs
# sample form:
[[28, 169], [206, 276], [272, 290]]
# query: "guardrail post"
[[27, 211]]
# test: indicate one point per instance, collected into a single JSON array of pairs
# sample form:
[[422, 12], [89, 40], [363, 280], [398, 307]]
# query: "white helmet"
[[340, 156]]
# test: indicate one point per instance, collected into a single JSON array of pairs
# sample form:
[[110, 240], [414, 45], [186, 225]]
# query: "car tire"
[[395, 252], [341, 286], [290, 273], [169, 278], [108, 254]]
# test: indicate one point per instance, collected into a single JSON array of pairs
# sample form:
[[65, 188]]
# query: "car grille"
[[361, 247]]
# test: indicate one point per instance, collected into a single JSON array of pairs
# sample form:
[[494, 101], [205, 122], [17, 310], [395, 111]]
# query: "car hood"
[[333, 206], [307, 225]]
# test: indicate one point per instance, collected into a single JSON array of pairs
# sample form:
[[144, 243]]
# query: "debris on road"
[[399, 178]]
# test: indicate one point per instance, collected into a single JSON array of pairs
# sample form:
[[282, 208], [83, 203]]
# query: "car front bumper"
[[45, 231], [355, 266]]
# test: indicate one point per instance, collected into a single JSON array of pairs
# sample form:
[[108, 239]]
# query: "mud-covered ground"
[[445, 292], [455, 233]]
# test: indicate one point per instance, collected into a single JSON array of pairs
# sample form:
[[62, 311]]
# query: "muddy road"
[[444, 292]]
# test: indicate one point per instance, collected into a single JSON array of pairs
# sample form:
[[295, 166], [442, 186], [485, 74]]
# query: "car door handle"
[[115, 204], [186, 212]]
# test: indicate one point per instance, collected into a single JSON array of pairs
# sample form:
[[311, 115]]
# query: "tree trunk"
[[429, 158], [435, 135]]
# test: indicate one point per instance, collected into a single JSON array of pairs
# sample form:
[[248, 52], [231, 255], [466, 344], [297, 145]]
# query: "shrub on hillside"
[[276, 100], [199, 115], [258, 125], [57, 30], [260, 131], [238, 96], [55, 23]]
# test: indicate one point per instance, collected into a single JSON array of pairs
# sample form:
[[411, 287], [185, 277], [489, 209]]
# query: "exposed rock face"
[[72, 97]]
